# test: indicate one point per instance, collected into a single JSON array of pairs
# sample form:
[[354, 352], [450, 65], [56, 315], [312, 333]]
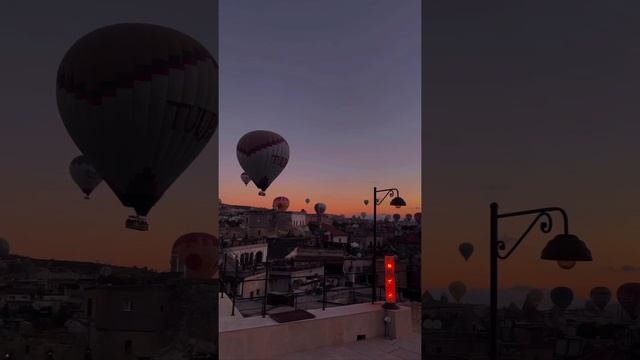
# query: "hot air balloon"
[[196, 255], [396, 217], [535, 297], [320, 208], [457, 290], [363, 214], [387, 218], [366, 202], [281, 203], [561, 297], [466, 249], [418, 217], [600, 296], [263, 155], [141, 101], [408, 217], [84, 175], [307, 200], [4, 248], [629, 298], [245, 178]]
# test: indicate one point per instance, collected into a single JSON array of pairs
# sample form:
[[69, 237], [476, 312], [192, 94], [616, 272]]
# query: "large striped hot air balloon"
[[281, 203], [84, 175], [263, 155], [141, 101]]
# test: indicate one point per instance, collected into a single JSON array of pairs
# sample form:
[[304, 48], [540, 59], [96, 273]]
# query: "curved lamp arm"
[[545, 226], [393, 192]]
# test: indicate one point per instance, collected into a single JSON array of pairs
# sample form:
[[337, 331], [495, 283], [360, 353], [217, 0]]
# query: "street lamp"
[[396, 201], [564, 248]]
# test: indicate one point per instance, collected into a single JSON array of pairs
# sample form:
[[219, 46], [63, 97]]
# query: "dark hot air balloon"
[[245, 178], [408, 217], [140, 101], [562, 297], [600, 296], [366, 202], [457, 290], [307, 200], [84, 175], [320, 208], [263, 155], [396, 217], [629, 298], [418, 217], [466, 250]]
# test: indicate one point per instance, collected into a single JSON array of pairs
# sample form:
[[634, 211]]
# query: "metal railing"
[[316, 290]]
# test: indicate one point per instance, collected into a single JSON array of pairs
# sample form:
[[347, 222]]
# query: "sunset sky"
[[531, 104], [42, 212], [340, 81]]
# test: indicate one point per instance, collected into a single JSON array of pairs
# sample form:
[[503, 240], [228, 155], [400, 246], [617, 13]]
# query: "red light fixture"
[[390, 283]]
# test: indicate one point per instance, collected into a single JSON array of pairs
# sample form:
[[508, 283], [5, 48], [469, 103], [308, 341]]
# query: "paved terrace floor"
[[377, 348]]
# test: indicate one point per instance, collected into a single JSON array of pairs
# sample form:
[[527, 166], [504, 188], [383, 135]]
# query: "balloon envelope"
[[457, 290], [84, 174], [418, 217], [320, 208], [263, 155], [396, 217], [197, 255], [465, 249], [629, 298], [562, 297], [245, 178], [600, 296], [366, 202], [141, 102], [307, 200], [281, 203], [408, 217]]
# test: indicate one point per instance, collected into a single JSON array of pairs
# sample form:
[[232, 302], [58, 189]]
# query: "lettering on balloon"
[[199, 121]]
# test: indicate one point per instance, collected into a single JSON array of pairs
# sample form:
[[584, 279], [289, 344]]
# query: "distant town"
[[458, 330], [54, 309]]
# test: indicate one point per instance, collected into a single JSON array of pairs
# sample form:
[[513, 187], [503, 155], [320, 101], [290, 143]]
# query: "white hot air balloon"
[[141, 101], [263, 155], [84, 175]]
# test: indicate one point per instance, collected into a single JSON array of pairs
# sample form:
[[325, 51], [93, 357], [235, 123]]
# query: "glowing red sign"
[[390, 279]]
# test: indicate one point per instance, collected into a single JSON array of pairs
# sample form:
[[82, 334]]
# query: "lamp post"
[[396, 201], [562, 248]]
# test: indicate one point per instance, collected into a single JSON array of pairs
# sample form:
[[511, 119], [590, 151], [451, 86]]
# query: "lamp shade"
[[566, 247], [398, 202]]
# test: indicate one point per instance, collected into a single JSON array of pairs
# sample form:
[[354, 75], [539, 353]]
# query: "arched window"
[[258, 257], [251, 259]]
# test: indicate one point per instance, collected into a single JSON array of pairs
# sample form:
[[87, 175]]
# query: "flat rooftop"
[[407, 348]]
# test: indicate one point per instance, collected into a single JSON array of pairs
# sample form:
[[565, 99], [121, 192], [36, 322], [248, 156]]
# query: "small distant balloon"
[[245, 178], [418, 217], [466, 250], [307, 200], [363, 214], [84, 175], [628, 295], [408, 217], [457, 289], [396, 217], [320, 208], [366, 202], [562, 297], [600, 296]]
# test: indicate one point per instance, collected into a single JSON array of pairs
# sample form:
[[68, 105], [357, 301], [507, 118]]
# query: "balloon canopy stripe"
[[259, 147]]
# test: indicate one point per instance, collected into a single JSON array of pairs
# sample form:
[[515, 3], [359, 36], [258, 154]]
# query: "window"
[[127, 306], [258, 257]]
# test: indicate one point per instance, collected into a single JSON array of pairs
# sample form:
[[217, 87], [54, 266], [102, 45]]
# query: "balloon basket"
[[261, 193], [137, 223]]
